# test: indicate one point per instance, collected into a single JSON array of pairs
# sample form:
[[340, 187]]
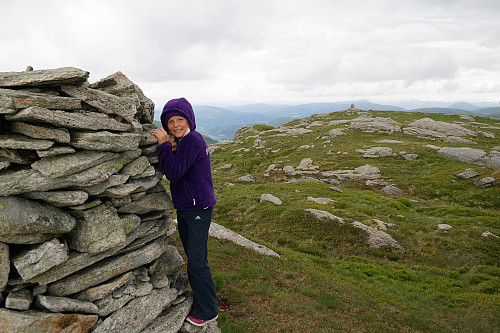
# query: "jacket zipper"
[[194, 202]]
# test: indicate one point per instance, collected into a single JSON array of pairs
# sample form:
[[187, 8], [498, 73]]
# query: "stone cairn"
[[85, 226]]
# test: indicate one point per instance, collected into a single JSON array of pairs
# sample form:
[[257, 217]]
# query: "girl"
[[184, 159]]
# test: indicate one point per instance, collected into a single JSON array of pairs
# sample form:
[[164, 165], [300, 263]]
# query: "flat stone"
[[26, 180], [4, 165], [105, 102], [378, 238], [145, 184], [368, 170], [17, 156], [73, 120], [27, 222], [123, 87], [59, 198], [34, 261], [484, 182], [136, 167], [64, 304], [99, 188], [444, 227], [150, 171], [4, 265], [105, 289], [467, 174], [19, 99], [55, 150], [107, 269], [392, 189], [78, 261], [438, 129], [39, 132], [19, 300], [119, 191], [105, 141], [45, 77], [169, 262], [246, 178], [271, 198], [130, 222], [64, 165], [97, 230], [151, 202], [464, 154], [138, 313], [18, 141], [171, 319], [376, 152], [43, 322], [323, 201], [118, 202], [321, 214]]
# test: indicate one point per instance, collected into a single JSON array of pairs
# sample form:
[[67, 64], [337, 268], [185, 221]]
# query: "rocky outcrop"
[[84, 217]]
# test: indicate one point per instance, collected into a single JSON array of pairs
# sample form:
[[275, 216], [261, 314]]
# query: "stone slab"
[[40, 132], [18, 99], [45, 77]]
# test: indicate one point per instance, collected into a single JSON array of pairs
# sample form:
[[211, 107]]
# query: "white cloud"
[[253, 51]]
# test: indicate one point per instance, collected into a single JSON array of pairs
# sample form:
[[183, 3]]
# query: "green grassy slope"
[[328, 279]]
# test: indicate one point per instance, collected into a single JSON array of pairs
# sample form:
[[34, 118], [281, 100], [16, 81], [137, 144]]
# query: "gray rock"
[[45, 77], [136, 167], [18, 141], [368, 170], [443, 227], [410, 157], [27, 222], [26, 180], [42, 322], [376, 152], [138, 313], [271, 198], [130, 222], [322, 214], [19, 99], [17, 156], [64, 304], [378, 238], [336, 189], [335, 132], [288, 169], [55, 150], [148, 172], [105, 289], [467, 174], [118, 202], [151, 202], [484, 182], [19, 300], [323, 201], [59, 198], [306, 164], [40, 132], [122, 296], [97, 230], [104, 102], [4, 266], [105, 141], [169, 262], [372, 125], [77, 261], [120, 191], [64, 165], [438, 129], [464, 154], [107, 269], [39, 290], [487, 234], [392, 190], [34, 261], [457, 139], [221, 232], [172, 319], [75, 120], [4, 165], [99, 188]]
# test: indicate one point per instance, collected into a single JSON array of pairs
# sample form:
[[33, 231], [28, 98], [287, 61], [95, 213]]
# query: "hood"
[[178, 107]]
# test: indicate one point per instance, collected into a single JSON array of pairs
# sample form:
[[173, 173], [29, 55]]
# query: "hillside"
[[380, 228]]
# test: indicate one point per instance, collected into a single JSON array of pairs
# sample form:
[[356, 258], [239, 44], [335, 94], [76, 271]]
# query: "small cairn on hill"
[[85, 235]]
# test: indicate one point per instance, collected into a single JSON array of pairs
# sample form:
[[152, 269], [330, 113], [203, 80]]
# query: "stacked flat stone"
[[85, 235]]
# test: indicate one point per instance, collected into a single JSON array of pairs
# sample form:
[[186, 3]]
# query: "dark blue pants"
[[193, 230]]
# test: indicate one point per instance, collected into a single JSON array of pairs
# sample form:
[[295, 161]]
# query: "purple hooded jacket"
[[188, 168]]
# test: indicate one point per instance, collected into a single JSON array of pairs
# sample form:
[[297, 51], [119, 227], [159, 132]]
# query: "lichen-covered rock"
[[28, 222], [4, 265]]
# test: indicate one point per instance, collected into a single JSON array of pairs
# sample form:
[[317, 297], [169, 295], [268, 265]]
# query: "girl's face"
[[177, 126]]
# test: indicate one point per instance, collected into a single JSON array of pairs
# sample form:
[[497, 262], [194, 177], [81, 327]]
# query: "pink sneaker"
[[199, 322]]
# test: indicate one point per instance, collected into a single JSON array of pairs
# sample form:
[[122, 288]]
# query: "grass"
[[328, 279]]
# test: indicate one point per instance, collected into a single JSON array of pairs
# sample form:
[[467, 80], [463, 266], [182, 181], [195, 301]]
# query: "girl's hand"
[[161, 135]]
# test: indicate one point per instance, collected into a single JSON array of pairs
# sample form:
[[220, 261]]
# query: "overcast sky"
[[223, 52]]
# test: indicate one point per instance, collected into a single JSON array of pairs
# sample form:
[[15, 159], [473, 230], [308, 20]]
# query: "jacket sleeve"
[[175, 165]]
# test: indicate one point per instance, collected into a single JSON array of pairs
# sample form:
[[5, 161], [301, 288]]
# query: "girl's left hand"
[[161, 135]]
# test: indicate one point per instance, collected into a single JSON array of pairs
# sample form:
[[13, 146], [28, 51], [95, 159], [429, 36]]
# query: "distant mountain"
[[492, 112], [463, 106], [444, 110]]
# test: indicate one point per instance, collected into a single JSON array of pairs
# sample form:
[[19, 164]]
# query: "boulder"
[[271, 198]]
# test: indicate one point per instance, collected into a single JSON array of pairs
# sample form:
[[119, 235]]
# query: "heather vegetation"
[[329, 278]]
